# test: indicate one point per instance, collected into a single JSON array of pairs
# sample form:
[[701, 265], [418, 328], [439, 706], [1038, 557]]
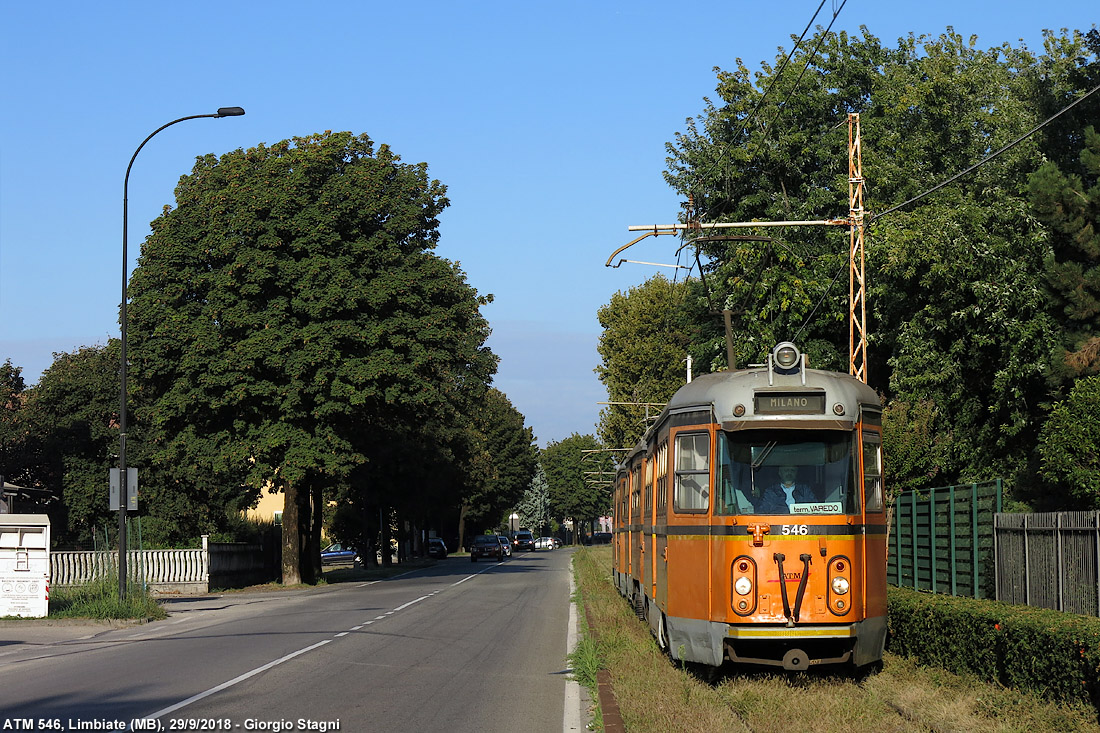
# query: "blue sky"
[[546, 121]]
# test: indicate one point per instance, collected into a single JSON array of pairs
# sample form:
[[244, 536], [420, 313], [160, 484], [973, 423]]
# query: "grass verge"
[[656, 694], [99, 600]]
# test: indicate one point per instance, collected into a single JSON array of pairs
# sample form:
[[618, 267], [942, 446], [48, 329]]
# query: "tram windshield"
[[786, 472]]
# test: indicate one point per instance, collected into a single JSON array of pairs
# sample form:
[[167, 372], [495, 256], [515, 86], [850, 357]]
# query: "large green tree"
[[535, 509], [502, 463], [14, 435], [577, 473], [289, 319], [1070, 444], [72, 415], [959, 328], [1069, 204], [647, 333]]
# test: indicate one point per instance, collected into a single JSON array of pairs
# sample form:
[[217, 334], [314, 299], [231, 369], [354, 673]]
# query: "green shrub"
[[1053, 654], [99, 599], [1069, 443]]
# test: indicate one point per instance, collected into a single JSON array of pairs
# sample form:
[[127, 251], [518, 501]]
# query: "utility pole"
[[857, 285]]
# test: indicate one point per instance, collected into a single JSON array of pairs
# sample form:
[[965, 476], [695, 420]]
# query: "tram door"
[[635, 525], [689, 550], [660, 523], [647, 525], [874, 517]]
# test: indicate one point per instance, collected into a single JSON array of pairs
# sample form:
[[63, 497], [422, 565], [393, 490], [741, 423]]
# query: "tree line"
[[983, 296], [291, 331]]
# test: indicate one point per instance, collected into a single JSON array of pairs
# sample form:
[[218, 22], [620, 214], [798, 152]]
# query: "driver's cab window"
[[786, 472], [692, 492], [872, 472]]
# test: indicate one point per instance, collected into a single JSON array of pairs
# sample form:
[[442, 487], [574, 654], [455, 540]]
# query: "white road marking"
[[574, 718], [235, 680], [292, 655]]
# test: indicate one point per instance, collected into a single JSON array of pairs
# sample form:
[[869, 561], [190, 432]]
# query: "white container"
[[24, 565]]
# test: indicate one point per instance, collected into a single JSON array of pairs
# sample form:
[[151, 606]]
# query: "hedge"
[[1054, 654]]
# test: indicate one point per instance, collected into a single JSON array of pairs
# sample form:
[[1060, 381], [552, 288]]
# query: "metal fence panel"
[[1050, 560], [942, 539]]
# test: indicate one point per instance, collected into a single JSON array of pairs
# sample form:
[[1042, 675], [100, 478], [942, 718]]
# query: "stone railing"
[[163, 572]]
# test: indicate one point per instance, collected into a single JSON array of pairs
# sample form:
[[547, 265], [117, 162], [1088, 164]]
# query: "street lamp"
[[122, 482]]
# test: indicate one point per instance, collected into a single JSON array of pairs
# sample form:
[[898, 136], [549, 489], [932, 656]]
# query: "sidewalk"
[[52, 631]]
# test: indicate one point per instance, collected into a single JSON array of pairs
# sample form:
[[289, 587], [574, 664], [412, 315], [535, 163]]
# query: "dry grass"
[[656, 694]]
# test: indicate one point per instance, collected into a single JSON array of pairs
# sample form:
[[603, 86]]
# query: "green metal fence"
[[942, 539]]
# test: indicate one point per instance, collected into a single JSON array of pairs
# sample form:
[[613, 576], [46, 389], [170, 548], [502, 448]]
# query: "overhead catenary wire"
[[988, 158], [809, 60], [775, 79]]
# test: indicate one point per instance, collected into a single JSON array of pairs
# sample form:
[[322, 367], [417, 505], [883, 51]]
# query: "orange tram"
[[749, 521]]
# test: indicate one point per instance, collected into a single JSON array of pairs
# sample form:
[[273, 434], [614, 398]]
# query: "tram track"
[[653, 692]]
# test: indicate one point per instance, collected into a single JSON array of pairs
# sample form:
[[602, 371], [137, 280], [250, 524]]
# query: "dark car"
[[524, 540], [437, 548], [339, 553], [486, 545]]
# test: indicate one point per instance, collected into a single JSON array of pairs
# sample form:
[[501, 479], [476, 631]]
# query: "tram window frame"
[[648, 483], [872, 473], [662, 477], [699, 491], [635, 493]]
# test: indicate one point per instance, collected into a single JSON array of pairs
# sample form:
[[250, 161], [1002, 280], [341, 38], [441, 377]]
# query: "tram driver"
[[780, 497]]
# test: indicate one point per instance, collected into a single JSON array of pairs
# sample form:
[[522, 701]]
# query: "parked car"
[[544, 543], [601, 538], [437, 548], [337, 552], [507, 544], [486, 545], [524, 540], [557, 542]]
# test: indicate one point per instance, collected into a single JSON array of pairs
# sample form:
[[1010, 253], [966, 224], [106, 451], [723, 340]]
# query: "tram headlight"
[[840, 585], [786, 355], [743, 586]]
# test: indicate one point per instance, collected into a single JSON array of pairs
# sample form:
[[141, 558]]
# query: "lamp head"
[[229, 112]]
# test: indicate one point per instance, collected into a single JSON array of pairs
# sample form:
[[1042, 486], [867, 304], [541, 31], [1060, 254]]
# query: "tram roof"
[[720, 392]]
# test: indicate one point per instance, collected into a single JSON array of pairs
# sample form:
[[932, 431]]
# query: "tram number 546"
[[795, 529]]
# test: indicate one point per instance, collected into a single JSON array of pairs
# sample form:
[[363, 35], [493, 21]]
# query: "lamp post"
[[123, 484]]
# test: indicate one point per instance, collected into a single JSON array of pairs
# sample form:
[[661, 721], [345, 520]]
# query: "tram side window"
[[691, 493], [872, 472]]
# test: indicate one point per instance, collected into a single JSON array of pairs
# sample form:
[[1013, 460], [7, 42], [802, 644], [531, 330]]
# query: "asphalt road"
[[459, 646]]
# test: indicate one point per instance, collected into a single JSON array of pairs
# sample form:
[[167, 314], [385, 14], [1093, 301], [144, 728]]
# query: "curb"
[[609, 705]]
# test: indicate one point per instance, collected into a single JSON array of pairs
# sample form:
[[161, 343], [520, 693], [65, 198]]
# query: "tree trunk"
[[315, 534], [297, 566], [291, 536], [384, 538], [366, 551], [462, 526]]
